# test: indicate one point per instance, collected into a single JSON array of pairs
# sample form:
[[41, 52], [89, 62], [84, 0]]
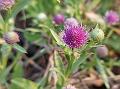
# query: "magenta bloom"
[[69, 87], [111, 17], [59, 19], [75, 36], [6, 4], [71, 22]]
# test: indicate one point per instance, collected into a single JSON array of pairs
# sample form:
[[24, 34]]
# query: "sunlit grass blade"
[[102, 71]]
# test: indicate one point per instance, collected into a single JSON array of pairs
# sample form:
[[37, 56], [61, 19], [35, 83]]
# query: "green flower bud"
[[11, 37], [97, 34]]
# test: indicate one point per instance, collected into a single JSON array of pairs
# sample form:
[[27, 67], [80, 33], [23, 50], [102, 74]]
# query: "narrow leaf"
[[57, 38], [24, 83], [58, 62], [19, 48], [18, 7], [100, 67], [79, 61]]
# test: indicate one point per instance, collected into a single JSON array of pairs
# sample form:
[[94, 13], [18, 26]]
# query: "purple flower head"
[[75, 36], [6, 4], [69, 87], [111, 17], [71, 22], [59, 19]]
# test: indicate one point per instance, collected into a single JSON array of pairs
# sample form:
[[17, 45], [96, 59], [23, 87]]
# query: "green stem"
[[5, 27], [69, 67], [5, 58], [4, 61]]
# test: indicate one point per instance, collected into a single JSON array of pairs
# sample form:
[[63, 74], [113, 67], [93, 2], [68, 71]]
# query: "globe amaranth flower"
[[111, 17], [59, 19], [75, 36], [11, 37], [6, 4], [69, 87], [71, 22]]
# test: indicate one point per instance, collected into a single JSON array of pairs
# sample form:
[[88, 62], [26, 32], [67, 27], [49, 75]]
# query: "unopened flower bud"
[[102, 51], [112, 17], [59, 19], [97, 34], [11, 37], [42, 16], [52, 79], [71, 22]]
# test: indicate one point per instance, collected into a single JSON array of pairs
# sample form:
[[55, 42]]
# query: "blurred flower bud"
[[94, 17], [59, 19], [6, 4], [71, 22], [42, 16], [97, 34], [52, 79], [69, 87], [111, 17], [11, 37], [11, 20], [102, 51]]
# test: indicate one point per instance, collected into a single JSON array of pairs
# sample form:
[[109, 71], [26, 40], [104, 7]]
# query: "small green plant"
[[44, 44]]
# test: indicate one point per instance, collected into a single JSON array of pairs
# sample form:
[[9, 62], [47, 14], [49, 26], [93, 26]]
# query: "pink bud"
[[11, 37], [102, 51]]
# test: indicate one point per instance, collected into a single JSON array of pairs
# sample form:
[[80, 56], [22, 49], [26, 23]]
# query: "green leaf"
[[58, 62], [5, 49], [31, 36], [113, 43], [4, 74], [19, 48], [93, 4], [59, 72], [22, 83], [101, 69], [18, 70], [57, 38], [1, 21], [79, 61]]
